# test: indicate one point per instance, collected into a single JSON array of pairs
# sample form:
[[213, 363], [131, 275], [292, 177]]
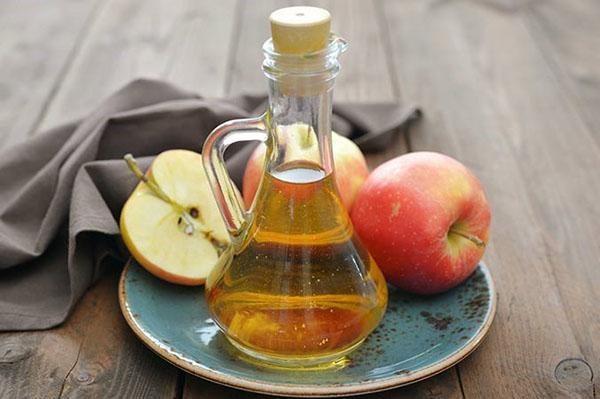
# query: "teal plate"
[[418, 338]]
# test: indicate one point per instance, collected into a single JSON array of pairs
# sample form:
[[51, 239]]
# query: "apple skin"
[[351, 170], [404, 213]]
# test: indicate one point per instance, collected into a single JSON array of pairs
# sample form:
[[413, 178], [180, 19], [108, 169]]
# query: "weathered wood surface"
[[493, 102], [32, 67], [151, 38], [93, 354], [511, 88]]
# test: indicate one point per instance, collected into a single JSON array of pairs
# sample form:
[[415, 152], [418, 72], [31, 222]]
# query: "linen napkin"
[[61, 192]]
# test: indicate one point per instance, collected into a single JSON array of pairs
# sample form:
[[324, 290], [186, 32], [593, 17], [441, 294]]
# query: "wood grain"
[[364, 76], [566, 149], [245, 74], [129, 39], [492, 104], [31, 66], [94, 354], [568, 35]]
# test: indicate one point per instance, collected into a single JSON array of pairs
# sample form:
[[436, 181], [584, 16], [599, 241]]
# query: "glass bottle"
[[300, 289]]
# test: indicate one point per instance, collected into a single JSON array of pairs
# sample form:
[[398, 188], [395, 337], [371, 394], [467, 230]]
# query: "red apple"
[[351, 168], [425, 220]]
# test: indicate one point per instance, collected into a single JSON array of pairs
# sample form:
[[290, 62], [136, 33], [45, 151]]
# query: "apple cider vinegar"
[[302, 287], [296, 287]]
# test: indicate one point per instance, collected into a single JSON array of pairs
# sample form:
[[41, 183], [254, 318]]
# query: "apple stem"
[[133, 165], [474, 239], [190, 225]]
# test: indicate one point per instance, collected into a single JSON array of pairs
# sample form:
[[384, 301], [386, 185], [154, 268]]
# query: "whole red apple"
[[351, 168], [425, 220]]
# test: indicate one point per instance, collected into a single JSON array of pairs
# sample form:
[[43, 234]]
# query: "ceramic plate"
[[418, 338]]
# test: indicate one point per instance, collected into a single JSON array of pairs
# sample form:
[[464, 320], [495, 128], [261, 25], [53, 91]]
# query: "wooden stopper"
[[300, 30]]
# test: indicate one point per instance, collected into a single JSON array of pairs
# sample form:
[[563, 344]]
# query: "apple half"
[[171, 223]]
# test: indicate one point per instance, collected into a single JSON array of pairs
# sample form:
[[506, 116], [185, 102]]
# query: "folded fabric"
[[61, 192]]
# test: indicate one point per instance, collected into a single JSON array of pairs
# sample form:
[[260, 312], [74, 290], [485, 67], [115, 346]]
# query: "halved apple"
[[171, 223]]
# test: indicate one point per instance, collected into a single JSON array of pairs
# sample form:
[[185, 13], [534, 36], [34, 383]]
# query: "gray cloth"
[[61, 192]]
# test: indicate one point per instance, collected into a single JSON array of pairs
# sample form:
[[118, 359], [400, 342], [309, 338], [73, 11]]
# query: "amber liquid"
[[302, 290]]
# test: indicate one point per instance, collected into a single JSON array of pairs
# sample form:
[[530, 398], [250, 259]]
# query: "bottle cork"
[[300, 30]]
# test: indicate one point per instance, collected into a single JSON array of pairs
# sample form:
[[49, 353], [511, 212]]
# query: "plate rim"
[[310, 391]]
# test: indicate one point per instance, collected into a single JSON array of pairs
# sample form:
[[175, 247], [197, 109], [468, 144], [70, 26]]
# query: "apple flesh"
[[171, 223], [351, 168], [425, 220]]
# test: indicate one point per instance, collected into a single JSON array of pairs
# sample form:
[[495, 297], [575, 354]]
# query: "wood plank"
[[245, 74], [172, 40], [31, 66], [564, 210], [564, 165], [365, 77], [491, 102], [94, 354], [568, 34]]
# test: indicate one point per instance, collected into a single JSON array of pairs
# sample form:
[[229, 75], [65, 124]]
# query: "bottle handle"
[[235, 216]]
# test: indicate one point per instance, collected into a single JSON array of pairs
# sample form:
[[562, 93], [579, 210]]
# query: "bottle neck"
[[300, 124], [300, 98]]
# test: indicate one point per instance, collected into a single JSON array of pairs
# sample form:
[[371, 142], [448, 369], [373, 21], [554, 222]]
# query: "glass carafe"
[[300, 289]]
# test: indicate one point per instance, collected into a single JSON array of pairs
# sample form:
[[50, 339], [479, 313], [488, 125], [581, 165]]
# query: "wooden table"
[[511, 88]]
